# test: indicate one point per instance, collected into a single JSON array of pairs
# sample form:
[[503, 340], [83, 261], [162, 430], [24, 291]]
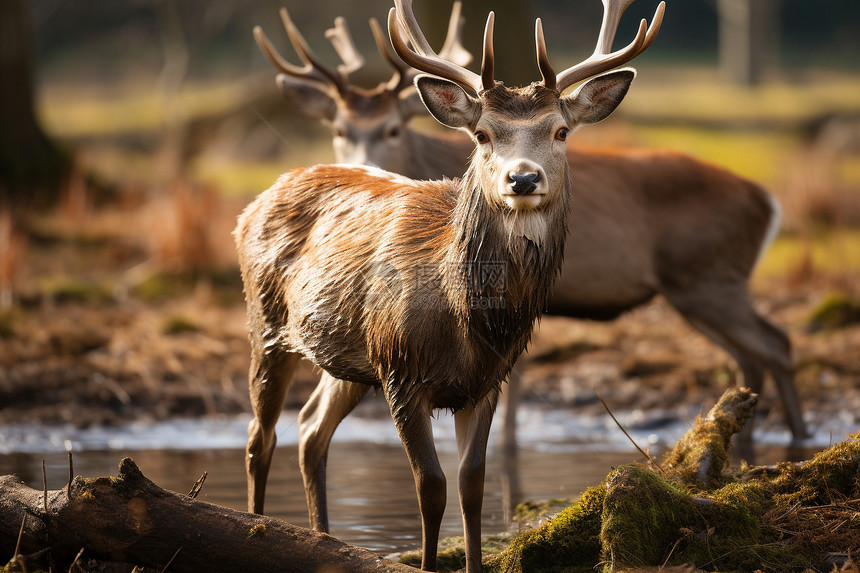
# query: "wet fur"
[[379, 284]]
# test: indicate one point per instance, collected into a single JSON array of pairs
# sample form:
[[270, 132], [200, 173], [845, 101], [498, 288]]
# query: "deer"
[[370, 126], [636, 230], [426, 290]]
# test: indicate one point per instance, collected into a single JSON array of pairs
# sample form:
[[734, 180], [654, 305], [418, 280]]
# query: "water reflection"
[[372, 500]]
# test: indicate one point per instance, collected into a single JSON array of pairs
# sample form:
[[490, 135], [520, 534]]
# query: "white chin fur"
[[523, 202], [526, 223]]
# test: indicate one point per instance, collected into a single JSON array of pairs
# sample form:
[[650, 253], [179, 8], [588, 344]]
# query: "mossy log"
[[700, 457], [694, 511], [129, 519]]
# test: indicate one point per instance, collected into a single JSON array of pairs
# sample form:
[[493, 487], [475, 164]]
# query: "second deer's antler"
[[314, 68]]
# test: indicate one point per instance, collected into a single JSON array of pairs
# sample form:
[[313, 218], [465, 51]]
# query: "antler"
[[341, 39], [602, 59], [403, 73], [422, 57], [314, 68], [452, 50]]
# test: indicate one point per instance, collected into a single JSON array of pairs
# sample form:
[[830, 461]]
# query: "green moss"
[[642, 517], [788, 518], [531, 512], [835, 311], [158, 286], [178, 325], [752, 495], [701, 455], [831, 474], [451, 555], [258, 529], [66, 289], [648, 521], [568, 543]]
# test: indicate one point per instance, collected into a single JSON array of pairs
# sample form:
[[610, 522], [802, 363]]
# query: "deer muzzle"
[[523, 183]]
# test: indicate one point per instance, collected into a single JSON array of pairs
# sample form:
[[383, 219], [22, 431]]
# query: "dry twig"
[[617, 423]]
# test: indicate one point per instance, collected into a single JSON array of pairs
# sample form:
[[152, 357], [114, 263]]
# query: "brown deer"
[[425, 289], [370, 126], [645, 222]]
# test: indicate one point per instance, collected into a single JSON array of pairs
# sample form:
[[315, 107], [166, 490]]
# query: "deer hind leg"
[[270, 377], [330, 403], [727, 317], [511, 397], [472, 426], [416, 433]]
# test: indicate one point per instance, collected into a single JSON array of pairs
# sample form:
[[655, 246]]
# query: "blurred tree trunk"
[[30, 164], [747, 38]]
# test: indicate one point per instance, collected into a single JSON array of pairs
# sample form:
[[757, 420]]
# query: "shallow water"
[[372, 500]]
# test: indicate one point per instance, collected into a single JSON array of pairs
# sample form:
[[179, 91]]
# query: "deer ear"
[[596, 99], [448, 102], [410, 104], [313, 99]]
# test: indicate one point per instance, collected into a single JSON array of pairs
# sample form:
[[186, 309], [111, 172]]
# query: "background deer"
[[390, 282], [370, 126], [645, 223]]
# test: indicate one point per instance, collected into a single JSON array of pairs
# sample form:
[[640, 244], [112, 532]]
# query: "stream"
[[372, 500]]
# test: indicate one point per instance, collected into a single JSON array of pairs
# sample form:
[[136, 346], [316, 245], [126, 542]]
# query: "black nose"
[[523, 183]]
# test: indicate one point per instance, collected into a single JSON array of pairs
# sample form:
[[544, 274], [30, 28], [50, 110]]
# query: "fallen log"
[[701, 455], [129, 519]]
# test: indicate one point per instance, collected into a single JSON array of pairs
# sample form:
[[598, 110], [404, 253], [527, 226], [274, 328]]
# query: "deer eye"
[[561, 134], [481, 137], [393, 132]]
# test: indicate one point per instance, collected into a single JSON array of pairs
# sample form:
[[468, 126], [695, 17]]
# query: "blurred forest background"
[[136, 130]]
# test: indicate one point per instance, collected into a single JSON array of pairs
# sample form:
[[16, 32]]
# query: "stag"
[[370, 126], [427, 290], [646, 223]]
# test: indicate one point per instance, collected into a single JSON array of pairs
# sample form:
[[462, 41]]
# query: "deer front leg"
[[416, 433], [330, 403], [472, 426]]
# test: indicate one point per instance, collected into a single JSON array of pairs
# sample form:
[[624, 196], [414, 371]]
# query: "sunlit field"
[[766, 134]]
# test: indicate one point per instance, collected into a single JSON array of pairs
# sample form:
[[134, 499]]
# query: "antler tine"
[[312, 62], [403, 74], [279, 62], [453, 50], [546, 71], [601, 62], [612, 12], [308, 71], [489, 59], [421, 56], [341, 39], [654, 28]]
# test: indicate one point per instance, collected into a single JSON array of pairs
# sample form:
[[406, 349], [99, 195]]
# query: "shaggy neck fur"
[[506, 264]]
